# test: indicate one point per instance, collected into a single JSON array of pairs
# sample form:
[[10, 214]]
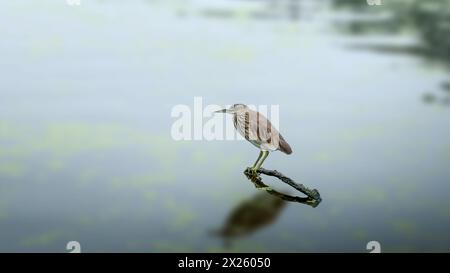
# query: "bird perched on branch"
[[258, 130]]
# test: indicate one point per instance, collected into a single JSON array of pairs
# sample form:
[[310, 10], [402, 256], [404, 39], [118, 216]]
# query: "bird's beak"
[[222, 111]]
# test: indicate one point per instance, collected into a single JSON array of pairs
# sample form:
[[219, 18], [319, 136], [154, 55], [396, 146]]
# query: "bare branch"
[[313, 197]]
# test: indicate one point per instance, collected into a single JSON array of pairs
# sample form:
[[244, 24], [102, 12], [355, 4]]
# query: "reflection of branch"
[[313, 198]]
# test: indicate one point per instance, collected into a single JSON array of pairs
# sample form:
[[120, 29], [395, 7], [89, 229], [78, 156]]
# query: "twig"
[[313, 197]]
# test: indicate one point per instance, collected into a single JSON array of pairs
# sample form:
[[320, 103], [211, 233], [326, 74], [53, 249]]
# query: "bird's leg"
[[253, 170], [257, 160], [260, 161]]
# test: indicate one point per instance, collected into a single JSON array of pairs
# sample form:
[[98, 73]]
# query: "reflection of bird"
[[258, 130], [252, 214]]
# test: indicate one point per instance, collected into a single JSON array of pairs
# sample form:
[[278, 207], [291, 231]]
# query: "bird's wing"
[[258, 129]]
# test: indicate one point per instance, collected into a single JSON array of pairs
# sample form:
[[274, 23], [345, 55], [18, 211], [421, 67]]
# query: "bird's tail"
[[284, 146]]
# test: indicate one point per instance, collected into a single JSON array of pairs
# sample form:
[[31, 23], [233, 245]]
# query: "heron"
[[258, 130]]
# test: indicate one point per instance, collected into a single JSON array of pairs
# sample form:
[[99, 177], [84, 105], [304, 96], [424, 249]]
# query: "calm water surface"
[[86, 152]]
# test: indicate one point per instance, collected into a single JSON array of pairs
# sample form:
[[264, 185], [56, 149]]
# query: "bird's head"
[[235, 108]]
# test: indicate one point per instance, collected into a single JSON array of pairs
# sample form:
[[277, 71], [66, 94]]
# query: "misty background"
[[86, 153]]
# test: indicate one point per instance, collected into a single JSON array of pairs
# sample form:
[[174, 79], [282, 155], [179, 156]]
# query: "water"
[[86, 152]]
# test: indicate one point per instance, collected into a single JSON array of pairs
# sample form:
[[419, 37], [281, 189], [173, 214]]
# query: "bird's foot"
[[251, 173]]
